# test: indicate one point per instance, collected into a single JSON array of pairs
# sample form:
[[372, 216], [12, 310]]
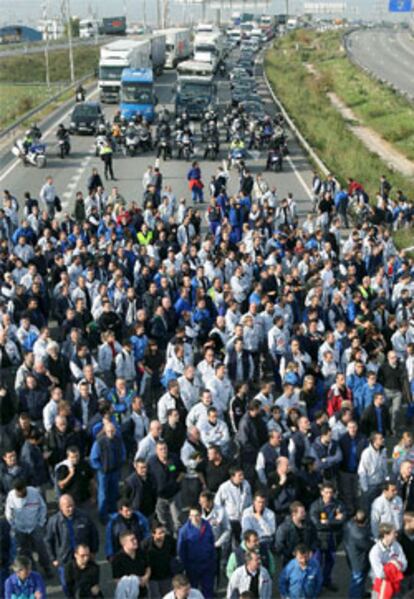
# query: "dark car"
[[86, 117]]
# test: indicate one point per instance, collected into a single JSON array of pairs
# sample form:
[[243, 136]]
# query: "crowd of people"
[[208, 398]]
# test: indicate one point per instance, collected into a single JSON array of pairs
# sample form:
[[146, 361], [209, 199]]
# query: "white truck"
[[208, 47], [178, 46], [117, 56], [158, 51]]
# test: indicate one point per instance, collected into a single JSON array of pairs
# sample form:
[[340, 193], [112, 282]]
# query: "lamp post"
[[71, 63]]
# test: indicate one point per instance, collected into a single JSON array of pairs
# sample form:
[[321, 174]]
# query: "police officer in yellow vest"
[[106, 156], [145, 236]]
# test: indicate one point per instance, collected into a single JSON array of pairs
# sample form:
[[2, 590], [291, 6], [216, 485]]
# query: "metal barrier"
[[11, 128]]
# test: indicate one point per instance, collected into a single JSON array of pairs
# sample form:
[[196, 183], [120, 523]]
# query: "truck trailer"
[[117, 56], [178, 46]]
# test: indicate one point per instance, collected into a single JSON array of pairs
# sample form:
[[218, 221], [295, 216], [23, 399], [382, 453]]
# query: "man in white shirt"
[[189, 387], [221, 389], [214, 431], [235, 495], [199, 411], [146, 447]]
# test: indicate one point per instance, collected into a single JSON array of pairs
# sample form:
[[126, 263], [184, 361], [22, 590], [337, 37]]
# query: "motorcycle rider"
[[80, 94], [183, 138], [163, 132], [62, 134], [275, 149]]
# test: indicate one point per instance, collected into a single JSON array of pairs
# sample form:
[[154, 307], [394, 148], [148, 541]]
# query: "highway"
[[70, 174], [389, 54]]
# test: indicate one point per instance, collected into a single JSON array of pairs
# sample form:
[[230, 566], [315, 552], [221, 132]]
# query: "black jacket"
[[142, 493], [251, 436], [345, 447], [282, 495], [288, 536], [58, 538], [329, 533], [406, 492], [369, 420], [79, 582]]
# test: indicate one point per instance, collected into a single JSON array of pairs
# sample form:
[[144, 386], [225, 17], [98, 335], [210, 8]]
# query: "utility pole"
[[203, 10], [287, 8], [165, 13], [46, 33], [159, 14], [71, 63], [144, 13]]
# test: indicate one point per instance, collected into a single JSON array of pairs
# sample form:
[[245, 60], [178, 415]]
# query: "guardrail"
[[301, 139], [355, 60], [11, 128]]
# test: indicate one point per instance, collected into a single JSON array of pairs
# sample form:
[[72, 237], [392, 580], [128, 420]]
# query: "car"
[[254, 108], [86, 117]]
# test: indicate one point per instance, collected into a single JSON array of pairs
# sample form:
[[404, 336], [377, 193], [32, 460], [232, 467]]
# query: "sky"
[[29, 11]]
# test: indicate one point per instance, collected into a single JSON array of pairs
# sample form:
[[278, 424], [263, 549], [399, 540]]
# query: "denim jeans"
[[108, 483], [357, 585], [197, 194]]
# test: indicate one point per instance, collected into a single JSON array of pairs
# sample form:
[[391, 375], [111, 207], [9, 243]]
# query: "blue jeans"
[[326, 560], [61, 573], [108, 484], [203, 579], [357, 584], [197, 194]]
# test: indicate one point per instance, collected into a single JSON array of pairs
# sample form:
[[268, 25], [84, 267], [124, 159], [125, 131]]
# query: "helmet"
[[27, 132], [61, 126], [131, 124], [101, 128]]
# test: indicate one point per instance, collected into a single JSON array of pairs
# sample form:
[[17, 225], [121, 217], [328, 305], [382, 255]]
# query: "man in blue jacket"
[[197, 552], [108, 455], [302, 577], [125, 520]]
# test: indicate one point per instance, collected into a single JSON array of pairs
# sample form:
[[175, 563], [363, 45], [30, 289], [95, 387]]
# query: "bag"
[[58, 204]]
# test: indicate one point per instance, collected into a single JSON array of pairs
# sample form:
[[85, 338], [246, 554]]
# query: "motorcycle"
[[63, 148], [79, 96], [236, 158], [100, 140], [35, 155], [145, 141], [131, 143], [185, 147], [275, 160], [211, 150], [164, 149]]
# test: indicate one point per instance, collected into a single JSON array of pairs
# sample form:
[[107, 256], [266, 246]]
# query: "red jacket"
[[390, 585], [335, 398]]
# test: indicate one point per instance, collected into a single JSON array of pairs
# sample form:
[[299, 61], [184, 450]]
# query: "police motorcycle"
[[101, 139], [237, 153], [30, 150]]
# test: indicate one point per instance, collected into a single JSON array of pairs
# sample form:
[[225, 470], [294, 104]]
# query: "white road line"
[[45, 135], [300, 178]]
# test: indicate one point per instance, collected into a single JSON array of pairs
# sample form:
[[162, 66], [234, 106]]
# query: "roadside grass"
[[15, 100], [31, 68], [304, 97], [23, 77], [376, 104]]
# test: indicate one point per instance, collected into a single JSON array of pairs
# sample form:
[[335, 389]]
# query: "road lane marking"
[[45, 135]]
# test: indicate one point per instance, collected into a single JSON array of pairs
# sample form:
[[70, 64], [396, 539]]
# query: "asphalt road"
[[389, 54], [71, 174]]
